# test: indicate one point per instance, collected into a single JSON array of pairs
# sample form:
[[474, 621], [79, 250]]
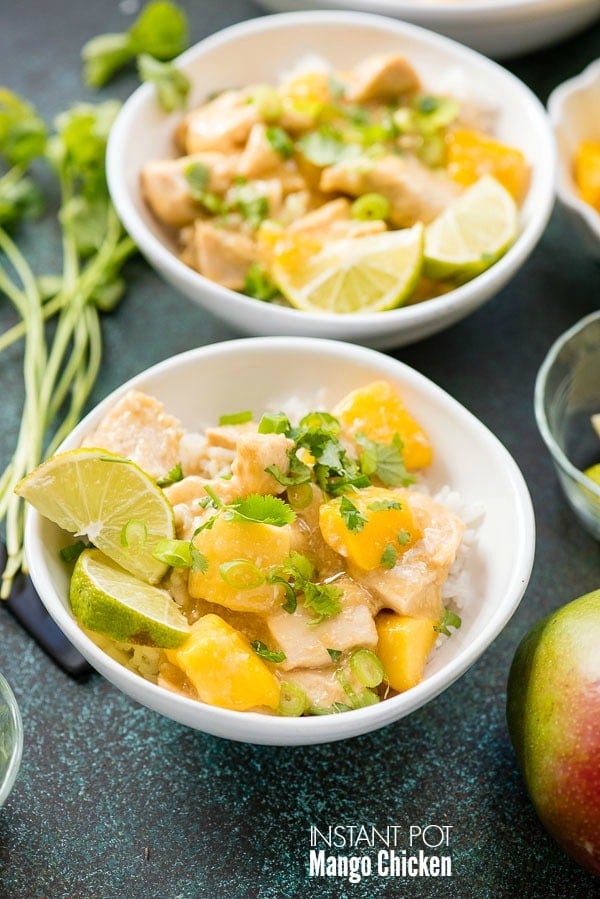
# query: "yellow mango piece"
[[472, 154], [587, 172], [239, 556], [404, 646], [364, 542], [379, 412], [224, 669]]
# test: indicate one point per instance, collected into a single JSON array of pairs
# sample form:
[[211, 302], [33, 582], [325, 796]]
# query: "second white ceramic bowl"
[[259, 51]]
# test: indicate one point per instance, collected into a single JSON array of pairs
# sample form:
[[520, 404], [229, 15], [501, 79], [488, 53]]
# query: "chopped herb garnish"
[[274, 423], [266, 509], [172, 85], [353, 517], [176, 553], [334, 654], [298, 472], [242, 574], [259, 285], [270, 655], [134, 533], [323, 599], [172, 476], [403, 538], [389, 557], [197, 176], [326, 147], [199, 561], [384, 505], [280, 140], [384, 461], [367, 667], [216, 500], [72, 551], [236, 418], [449, 619]]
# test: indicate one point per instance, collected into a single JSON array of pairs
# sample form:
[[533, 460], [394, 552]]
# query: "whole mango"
[[553, 715]]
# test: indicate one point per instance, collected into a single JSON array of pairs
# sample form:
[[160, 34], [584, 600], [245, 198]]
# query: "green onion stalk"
[[59, 372]]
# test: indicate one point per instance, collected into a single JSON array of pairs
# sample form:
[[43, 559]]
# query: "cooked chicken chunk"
[[305, 645], [223, 256], [139, 428], [415, 193], [381, 77], [255, 453], [413, 586], [258, 157], [166, 188], [222, 124]]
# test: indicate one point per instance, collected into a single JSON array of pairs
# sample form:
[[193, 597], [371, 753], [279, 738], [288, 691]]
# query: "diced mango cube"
[[587, 172], [224, 669], [383, 529], [239, 556], [379, 412], [472, 154], [404, 646]]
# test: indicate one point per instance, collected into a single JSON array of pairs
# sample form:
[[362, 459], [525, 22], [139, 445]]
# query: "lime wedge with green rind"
[[108, 600]]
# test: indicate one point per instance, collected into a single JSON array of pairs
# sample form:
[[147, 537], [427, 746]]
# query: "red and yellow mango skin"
[[553, 714]]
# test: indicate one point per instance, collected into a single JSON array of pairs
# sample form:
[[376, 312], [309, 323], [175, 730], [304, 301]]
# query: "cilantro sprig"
[[158, 35]]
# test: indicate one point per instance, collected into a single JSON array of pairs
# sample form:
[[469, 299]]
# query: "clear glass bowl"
[[567, 394], [11, 739]]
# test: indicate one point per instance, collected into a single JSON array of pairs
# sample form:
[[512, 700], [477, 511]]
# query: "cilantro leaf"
[[353, 517], [389, 556], [334, 654], [161, 30], [298, 473], [259, 285], [199, 561], [266, 509], [172, 85], [324, 599], [326, 147], [449, 619], [270, 655], [175, 474], [280, 140], [384, 461]]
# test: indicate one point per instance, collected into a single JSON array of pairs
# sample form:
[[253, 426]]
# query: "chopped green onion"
[[72, 551], [270, 655], [300, 495], [403, 538], [274, 423], [176, 553], [236, 418], [293, 701], [258, 284], [280, 141], [241, 574], [366, 667], [268, 102], [347, 687], [335, 654], [134, 533], [367, 697], [370, 207]]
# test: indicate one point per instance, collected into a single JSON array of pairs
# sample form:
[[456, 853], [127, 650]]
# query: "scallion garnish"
[[236, 418], [241, 574], [175, 553], [293, 702], [366, 667], [270, 655], [133, 533]]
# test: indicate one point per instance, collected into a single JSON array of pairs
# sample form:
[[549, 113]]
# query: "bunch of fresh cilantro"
[[61, 363]]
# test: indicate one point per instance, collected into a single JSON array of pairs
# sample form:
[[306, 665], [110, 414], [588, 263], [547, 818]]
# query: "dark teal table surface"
[[116, 801]]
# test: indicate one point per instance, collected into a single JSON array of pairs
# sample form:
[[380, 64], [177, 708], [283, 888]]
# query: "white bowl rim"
[[316, 729], [559, 96], [559, 456], [466, 296], [446, 11]]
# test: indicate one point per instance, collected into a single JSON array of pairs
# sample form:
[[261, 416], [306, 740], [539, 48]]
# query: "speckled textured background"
[[115, 801]]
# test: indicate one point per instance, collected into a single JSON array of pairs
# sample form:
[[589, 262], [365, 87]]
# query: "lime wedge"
[[364, 274], [108, 600], [110, 499], [472, 233]]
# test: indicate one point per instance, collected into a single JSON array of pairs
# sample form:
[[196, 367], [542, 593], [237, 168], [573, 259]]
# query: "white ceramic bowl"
[[498, 28], [574, 108], [265, 372], [260, 50]]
